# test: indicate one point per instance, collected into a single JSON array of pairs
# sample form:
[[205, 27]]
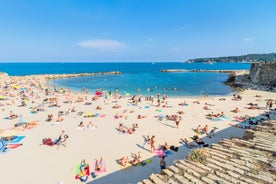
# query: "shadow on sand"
[[138, 173]]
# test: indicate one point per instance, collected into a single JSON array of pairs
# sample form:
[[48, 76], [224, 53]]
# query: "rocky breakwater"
[[57, 76]]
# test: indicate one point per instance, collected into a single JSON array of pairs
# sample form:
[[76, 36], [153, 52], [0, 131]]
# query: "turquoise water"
[[145, 76]]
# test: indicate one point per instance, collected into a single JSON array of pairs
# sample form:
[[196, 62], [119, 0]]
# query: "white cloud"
[[247, 40], [103, 44]]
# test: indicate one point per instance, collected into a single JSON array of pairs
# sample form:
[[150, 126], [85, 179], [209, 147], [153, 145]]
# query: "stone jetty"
[[251, 159]]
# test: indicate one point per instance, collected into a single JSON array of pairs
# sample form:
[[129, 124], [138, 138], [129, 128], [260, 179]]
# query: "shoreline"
[[45, 79]]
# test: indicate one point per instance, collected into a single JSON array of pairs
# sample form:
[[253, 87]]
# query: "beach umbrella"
[[98, 93]]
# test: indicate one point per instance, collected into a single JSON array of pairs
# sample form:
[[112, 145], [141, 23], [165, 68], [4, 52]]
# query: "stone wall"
[[263, 73], [242, 161]]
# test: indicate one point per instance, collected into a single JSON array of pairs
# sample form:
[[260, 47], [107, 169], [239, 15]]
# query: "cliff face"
[[263, 73]]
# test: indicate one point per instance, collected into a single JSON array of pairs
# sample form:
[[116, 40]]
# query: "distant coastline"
[[195, 70], [249, 58]]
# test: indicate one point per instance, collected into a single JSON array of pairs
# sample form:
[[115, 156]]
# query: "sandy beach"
[[33, 162]]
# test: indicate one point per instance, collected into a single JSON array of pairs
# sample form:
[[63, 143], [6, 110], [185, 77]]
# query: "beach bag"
[[47, 141], [174, 148]]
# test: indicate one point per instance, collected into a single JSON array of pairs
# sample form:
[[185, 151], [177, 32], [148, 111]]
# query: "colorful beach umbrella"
[[98, 93]]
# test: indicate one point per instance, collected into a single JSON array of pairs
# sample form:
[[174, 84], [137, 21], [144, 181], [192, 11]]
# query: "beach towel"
[[13, 146], [144, 162], [160, 152], [96, 115], [102, 115], [48, 141], [100, 171], [2, 145], [17, 139], [168, 152], [78, 169], [186, 145], [5, 150]]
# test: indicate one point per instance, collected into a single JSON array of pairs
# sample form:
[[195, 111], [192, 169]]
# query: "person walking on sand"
[[152, 143], [162, 163]]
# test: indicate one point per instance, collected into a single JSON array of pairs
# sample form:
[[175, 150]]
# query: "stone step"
[[171, 181], [174, 169], [218, 153], [247, 150], [187, 170], [208, 180], [155, 179], [259, 178], [147, 181], [199, 165], [213, 166], [247, 180], [225, 166], [192, 179], [223, 149], [242, 143], [193, 167], [167, 172], [180, 179], [218, 179], [268, 149], [235, 167], [227, 176], [245, 163]]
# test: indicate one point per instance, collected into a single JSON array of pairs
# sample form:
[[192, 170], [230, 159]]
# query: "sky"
[[134, 30]]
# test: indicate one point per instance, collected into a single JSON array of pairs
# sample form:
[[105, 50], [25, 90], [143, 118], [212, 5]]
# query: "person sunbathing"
[[237, 110], [165, 146], [141, 116], [180, 112], [121, 128], [99, 164], [183, 103], [91, 125], [138, 156], [59, 119], [135, 125], [206, 107], [62, 139], [199, 129], [81, 125], [13, 116], [205, 129], [50, 117], [146, 139], [116, 106], [189, 144], [98, 108], [124, 160], [73, 109]]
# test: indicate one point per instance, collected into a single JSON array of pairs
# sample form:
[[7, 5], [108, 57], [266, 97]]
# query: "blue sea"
[[135, 75]]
